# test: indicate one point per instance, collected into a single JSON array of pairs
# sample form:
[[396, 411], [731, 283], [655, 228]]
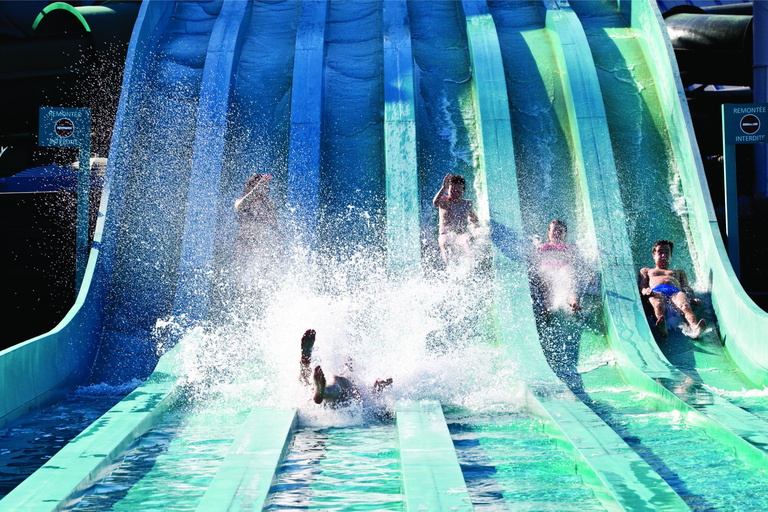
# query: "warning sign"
[[750, 124], [64, 127], [745, 124]]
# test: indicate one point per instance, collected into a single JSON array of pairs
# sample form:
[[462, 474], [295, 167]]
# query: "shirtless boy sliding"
[[662, 284], [454, 214]]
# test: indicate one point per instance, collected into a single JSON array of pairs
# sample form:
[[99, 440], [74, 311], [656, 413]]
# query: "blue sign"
[[71, 127], [64, 127], [745, 123]]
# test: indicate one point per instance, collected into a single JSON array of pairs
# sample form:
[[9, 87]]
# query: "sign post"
[[71, 127], [742, 124]]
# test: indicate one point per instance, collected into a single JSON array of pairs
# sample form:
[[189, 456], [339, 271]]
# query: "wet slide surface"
[[652, 195], [427, 334]]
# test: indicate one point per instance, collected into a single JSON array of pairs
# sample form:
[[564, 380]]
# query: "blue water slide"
[[161, 184], [46, 366]]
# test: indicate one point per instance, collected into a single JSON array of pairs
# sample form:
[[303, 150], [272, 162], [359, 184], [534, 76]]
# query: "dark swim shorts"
[[666, 289]]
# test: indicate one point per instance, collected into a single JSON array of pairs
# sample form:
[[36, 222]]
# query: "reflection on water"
[[170, 467], [28, 442], [340, 468], [507, 459]]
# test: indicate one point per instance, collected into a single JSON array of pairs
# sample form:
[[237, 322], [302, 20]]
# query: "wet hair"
[[252, 181], [659, 243], [458, 180], [560, 223]]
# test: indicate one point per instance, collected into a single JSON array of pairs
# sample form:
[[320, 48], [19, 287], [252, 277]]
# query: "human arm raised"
[[250, 196], [440, 196]]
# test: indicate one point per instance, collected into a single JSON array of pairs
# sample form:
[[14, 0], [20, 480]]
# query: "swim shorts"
[[666, 289]]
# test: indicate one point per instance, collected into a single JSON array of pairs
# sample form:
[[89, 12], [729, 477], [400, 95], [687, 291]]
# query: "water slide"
[[553, 112]]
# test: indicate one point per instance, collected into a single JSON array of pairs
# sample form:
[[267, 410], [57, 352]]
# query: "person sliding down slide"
[[556, 271], [662, 284], [334, 389]]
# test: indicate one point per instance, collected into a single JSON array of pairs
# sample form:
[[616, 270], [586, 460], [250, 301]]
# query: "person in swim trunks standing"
[[662, 284], [455, 212]]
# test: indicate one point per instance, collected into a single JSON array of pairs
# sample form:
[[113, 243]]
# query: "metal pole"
[[731, 206], [83, 206], [760, 87]]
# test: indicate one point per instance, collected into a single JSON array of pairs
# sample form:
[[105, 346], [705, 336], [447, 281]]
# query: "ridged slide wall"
[[57, 361], [618, 476], [640, 360]]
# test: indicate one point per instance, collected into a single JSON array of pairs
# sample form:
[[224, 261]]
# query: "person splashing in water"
[[662, 284], [555, 273], [455, 212], [334, 389]]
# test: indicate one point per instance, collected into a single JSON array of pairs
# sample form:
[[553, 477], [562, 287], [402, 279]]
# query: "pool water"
[[170, 467], [706, 474], [29, 441], [354, 468], [508, 461]]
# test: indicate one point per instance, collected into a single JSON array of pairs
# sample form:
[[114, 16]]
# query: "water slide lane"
[[739, 321], [596, 427], [144, 272], [81, 462], [247, 473], [641, 362], [619, 477]]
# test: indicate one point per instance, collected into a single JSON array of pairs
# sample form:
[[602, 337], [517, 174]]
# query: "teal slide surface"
[[550, 111]]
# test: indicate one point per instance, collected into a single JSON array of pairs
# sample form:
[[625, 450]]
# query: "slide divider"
[[303, 189], [403, 210], [248, 471], [432, 478]]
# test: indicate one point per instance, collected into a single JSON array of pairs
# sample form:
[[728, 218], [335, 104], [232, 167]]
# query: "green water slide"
[[546, 119], [632, 196]]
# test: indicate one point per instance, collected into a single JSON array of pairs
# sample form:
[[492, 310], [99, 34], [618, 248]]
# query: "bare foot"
[[307, 342], [575, 307], [661, 325], [380, 385], [319, 378], [698, 328]]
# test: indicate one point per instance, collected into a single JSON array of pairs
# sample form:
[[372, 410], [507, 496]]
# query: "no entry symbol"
[[64, 127], [750, 124]]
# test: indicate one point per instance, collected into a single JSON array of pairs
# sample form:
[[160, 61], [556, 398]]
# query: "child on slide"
[[455, 213], [556, 269], [334, 389], [662, 284]]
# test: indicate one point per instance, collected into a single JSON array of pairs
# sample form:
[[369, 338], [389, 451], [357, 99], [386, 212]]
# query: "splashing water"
[[431, 336]]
